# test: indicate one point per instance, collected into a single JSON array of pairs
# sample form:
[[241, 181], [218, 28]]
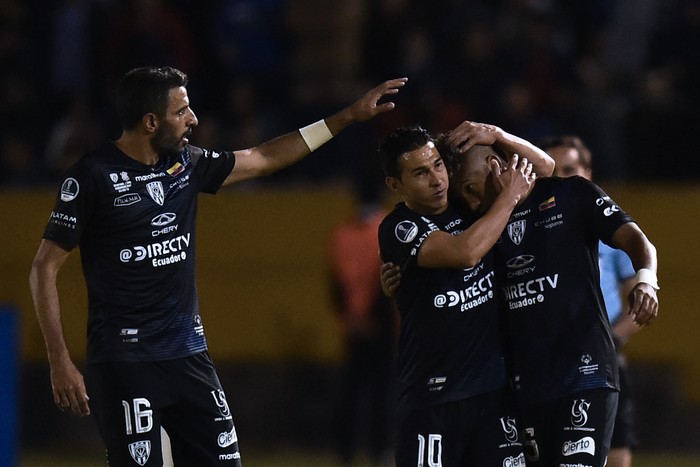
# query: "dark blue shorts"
[[624, 433], [131, 402], [477, 431], [571, 431]]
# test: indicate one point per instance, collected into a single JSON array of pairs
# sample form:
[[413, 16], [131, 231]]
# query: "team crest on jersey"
[[140, 451], [155, 190], [406, 231], [516, 231]]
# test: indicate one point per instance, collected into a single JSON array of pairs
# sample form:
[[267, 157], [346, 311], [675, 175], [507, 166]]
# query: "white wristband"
[[648, 277], [316, 134]]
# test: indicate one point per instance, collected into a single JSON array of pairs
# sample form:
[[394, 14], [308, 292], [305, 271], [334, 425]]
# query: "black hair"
[[399, 142], [145, 90]]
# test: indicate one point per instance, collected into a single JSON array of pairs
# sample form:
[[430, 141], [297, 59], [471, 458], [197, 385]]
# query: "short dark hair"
[[399, 142], [145, 90], [569, 141]]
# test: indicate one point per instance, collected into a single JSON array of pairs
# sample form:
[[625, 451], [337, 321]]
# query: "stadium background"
[[622, 74]]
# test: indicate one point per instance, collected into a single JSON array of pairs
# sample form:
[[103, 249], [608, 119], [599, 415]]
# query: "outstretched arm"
[[66, 380], [285, 150], [468, 134], [644, 303]]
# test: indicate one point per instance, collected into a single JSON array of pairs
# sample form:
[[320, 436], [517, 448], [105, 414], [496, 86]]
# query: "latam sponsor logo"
[[478, 293], [548, 203], [127, 200], [516, 231], [514, 461], [524, 294], [160, 253], [69, 189], [227, 438], [406, 231], [147, 177], [64, 220], [140, 451], [583, 445]]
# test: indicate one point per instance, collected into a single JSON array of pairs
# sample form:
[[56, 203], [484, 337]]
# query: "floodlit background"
[[622, 74]]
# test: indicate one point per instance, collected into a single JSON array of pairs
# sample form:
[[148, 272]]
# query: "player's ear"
[[393, 183], [150, 122], [495, 164]]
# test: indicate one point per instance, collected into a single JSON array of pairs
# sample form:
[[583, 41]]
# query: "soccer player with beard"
[[454, 408], [130, 206], [559, 343], [617, 279]]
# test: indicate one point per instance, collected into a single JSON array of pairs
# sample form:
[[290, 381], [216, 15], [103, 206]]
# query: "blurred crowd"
[[622, 74]]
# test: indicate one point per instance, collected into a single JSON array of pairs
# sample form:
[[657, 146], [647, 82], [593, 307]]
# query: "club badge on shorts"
[[140, 451]]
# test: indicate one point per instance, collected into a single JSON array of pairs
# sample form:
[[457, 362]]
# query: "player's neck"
[[137, 147]]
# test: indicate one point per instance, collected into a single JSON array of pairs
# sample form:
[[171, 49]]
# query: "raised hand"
[[368, 106]]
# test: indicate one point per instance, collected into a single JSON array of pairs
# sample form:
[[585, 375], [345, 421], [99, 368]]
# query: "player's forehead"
[[178, 98], [424, 156], [562, 154], [473, 167]]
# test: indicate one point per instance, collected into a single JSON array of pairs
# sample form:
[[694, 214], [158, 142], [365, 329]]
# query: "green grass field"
[[294, 458]]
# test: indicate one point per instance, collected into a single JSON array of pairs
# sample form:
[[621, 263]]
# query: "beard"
[[166, 142]]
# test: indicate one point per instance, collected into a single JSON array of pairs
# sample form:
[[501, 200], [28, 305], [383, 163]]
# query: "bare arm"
[[469, 134], [66, 380], [625, 326], [644, 303], [442, 250], [285, 150]]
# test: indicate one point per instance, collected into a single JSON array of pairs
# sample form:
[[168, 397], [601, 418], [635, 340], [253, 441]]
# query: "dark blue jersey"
[[449, 346], [135, 226], [558, 334]]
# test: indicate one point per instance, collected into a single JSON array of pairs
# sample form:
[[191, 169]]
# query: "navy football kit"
[[453, 407], [146, 355], [560, 347]]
